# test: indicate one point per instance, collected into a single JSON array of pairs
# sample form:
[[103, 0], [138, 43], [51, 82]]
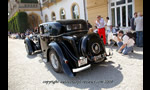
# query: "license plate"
[[82, 62], [96, 58]]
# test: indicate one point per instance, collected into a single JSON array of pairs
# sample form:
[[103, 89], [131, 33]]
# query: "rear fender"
[[83, 44], [58, 50]]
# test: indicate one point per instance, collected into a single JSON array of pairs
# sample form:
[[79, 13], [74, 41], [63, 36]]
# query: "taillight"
[[66, 61]]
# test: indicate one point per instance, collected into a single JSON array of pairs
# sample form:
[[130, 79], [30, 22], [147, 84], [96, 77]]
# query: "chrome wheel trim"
[[54, 61], [96, 48]]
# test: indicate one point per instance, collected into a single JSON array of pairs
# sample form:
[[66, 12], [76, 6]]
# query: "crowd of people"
[[124, 41], [16, 35], [28, 32]]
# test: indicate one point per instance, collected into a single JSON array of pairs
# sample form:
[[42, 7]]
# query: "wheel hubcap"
[[54, 61]]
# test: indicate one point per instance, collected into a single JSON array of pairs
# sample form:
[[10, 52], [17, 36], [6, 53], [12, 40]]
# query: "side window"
[[50, 29]]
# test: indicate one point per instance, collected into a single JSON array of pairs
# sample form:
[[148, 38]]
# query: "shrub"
[[18, 23]]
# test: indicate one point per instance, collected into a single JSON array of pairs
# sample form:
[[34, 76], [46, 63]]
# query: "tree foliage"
[[18, 23]]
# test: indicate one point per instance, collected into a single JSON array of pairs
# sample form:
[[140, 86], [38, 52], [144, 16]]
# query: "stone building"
[[119, 11]]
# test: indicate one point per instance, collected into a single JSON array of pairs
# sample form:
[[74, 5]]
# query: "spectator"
[[9, 34], [109, 27], [100, 23], [139, 30], [125, 43], [36, 31], [89, 25], [31, 35], [27, 32], [108, 24], [17, 36], [90, 31], [22, 36], [95, 30], [132, 22]]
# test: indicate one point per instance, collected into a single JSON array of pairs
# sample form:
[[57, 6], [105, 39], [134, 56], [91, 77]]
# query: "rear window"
[[71, 27]]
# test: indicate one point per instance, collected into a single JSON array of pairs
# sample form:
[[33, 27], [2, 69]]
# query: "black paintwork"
[[70, 43]]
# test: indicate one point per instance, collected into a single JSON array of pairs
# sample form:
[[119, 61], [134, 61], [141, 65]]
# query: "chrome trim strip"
[[81, 68]]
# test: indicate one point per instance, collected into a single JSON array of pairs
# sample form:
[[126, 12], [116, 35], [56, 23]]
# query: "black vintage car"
[[67, 46]]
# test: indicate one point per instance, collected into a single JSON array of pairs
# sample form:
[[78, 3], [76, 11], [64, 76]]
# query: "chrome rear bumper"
[[81, 68]]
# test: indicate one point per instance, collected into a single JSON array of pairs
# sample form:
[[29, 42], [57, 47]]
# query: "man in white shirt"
[[125, 43], [108, 24], [100, 23], [139, 30], [109, 28]]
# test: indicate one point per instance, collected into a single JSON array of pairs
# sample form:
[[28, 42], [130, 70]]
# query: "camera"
[[115, 34]]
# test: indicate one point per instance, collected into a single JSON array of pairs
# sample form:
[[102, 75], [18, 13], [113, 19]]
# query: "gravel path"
[[31, 73]]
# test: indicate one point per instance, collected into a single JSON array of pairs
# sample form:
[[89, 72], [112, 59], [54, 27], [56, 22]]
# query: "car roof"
[[47, 23], [71, 21], [64, 22]]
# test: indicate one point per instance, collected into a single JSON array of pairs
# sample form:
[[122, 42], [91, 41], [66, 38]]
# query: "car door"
[[44, 38]]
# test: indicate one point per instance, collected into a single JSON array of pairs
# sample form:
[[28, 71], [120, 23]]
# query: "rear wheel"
[[27, 49], [95, 46], [55, 61]]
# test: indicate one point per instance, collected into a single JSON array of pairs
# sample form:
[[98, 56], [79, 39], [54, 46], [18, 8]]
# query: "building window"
[[112, 4], [75, 11], [113, 16], [118, 16], [62, 14], [130, 13], [129, 1], [53, 16], [46, 18], [120, 2], [121, 12]]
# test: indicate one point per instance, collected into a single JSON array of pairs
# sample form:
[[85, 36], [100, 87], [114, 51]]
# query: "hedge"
[[18, 23]]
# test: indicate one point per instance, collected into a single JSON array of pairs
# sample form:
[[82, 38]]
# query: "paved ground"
[[30, 73]]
